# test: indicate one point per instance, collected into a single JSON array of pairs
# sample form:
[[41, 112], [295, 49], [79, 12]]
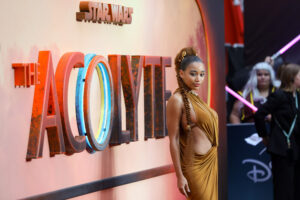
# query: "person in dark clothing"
[[260, 84], [283, 140]]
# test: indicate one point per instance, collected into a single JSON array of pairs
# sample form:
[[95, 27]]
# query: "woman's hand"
[[183, 186], [265, 140], [269, 60], [268, 118]]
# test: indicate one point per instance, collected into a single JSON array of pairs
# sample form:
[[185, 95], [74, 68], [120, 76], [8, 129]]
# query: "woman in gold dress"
[[193, 131]]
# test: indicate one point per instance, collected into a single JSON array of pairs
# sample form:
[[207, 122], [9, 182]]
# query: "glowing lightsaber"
[[286, 47], [244, 101]]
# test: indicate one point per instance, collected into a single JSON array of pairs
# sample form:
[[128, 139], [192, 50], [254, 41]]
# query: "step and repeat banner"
[[84, 85], [249, 165]]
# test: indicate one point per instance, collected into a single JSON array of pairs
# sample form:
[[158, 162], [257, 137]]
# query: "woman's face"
[[297, 80], [193, 75], [263, 78]]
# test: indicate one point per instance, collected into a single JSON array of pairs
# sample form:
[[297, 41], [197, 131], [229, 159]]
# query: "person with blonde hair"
[[283, 140], [193, 131]]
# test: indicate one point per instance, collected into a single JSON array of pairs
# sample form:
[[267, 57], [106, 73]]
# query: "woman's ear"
[[181, 73]]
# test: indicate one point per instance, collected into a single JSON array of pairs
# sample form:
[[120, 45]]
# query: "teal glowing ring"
[[79, 99]]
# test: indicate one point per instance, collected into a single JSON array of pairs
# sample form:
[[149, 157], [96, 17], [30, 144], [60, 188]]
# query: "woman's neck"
[[195, 92], [263, 91], [263, 88]]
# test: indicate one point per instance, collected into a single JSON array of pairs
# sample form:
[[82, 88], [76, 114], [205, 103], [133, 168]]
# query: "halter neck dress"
[[201, 171]]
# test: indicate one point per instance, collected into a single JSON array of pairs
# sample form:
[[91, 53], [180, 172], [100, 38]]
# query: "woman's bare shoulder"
[[175, 101]]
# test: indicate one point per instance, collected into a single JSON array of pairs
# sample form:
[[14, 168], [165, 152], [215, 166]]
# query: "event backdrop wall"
[[158, 28]]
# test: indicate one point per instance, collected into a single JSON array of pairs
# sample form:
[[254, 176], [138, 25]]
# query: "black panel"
[[103, 184], [269, 25]]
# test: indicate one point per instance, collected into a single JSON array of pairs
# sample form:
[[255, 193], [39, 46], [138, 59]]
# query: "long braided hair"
[[185, 52]]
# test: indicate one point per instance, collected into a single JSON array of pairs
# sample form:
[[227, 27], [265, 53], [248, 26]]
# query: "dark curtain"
[[236, 70], [237, 75], [269, 25]]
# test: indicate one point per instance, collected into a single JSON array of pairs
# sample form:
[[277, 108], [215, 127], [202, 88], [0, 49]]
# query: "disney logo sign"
[[260, 171]]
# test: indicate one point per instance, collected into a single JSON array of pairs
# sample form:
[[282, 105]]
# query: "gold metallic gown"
[[201, 171]]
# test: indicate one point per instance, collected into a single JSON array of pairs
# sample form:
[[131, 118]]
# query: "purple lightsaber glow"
[[244, 101], [286, 47]]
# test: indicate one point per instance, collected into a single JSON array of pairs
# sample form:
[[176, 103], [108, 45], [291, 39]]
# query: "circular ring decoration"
[[102, 96], [106, 100], [79, 100], [98, 140]]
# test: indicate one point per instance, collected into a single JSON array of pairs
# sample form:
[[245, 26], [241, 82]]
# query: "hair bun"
[[183, 54], [188, 51]]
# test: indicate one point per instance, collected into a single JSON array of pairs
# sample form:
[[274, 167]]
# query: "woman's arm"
[[273, 102], [235, 115], [174, 113]]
